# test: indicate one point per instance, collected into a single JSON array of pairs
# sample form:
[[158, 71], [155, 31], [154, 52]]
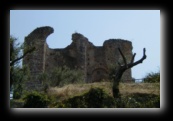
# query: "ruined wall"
[[36, 59], [93, 61], [113, 56]]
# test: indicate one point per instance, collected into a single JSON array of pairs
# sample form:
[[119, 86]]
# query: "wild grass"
[[126, 89]]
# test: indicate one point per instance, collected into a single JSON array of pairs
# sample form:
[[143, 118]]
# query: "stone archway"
[[99, 74]]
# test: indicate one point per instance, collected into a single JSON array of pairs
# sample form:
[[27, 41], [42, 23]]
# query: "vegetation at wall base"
[[95, 98], [139, 100], [36, 100], [94, 95], [60, 76], [152, 77]]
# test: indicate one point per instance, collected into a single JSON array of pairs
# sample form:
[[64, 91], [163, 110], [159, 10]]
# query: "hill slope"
[[125, 89], [133, 95]]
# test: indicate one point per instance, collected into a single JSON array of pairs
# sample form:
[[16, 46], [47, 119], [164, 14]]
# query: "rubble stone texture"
[[93, 61]]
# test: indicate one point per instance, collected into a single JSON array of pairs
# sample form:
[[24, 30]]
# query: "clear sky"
[[141, 27]]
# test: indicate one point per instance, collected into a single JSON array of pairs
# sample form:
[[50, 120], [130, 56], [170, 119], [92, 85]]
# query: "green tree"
[[17, 73], [60, 76], [16, 51], [20, 75]]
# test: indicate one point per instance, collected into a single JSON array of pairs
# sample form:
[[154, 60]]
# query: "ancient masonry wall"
[[92, 60]]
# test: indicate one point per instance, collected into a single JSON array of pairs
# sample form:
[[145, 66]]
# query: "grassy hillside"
[[125, 89], [134, 95]]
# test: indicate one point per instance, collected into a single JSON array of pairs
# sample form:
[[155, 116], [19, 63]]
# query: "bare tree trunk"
[[117, 79], [121, 69]]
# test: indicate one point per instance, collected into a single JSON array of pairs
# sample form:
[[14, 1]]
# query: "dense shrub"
[[75, 102], [152, 77], [16, 103], [36, 100], [19, 76], [16, 95], [60, 76], [139, 100], [95, 98]]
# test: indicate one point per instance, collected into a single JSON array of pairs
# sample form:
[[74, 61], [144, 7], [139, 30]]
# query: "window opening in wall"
[[98, 72]]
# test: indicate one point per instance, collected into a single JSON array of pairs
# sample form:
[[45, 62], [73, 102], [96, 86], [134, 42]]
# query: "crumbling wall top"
[[40, 33], [78, 36], [111, 41]]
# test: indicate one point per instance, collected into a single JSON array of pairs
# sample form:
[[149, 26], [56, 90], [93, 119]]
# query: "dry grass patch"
[[125, 89], [147, 88]]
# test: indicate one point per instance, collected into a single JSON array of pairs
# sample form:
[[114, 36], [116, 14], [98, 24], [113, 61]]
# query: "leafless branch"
[[119, 72], [124, 59], [17, 59], [130, 65], [133, 58]]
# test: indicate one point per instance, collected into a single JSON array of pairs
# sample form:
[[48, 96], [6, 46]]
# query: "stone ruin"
[[93, 61]]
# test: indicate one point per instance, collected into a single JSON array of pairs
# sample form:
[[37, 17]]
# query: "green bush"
[[139, 100], [16, 95], [75, 102], [16, 103], [60, 76], [19, 76], [152, 77], [36, 100], [95, 98]]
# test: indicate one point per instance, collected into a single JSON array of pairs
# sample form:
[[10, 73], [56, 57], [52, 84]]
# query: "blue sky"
[[141, 27]]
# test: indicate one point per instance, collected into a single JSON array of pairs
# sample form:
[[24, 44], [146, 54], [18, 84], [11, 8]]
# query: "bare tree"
[[122, 68]]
